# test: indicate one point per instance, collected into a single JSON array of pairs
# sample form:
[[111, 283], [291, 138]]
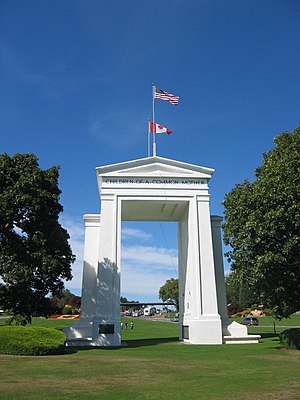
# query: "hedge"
[[31, 341], [290, 338]]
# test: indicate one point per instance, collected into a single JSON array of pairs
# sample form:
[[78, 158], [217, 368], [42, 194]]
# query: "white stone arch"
[[155, 189]]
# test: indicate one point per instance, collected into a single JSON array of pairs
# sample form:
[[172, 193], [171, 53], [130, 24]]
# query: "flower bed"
[[62, 316]]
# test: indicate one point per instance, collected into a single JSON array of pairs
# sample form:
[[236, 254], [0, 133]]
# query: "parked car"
[[250, 321], [149, 311]]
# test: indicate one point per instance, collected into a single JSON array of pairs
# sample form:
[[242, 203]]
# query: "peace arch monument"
[[155, 189]]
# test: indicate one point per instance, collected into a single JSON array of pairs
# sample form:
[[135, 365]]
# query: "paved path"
[[276, 326]]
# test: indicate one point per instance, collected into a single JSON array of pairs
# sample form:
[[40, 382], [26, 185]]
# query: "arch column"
[[106, 321], [81, 331], [219, 267], [202, 323]]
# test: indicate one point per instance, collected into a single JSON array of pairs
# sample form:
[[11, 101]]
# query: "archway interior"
[[163, 252], [149, 256]]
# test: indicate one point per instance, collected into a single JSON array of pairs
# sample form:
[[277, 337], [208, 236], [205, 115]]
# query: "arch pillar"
[[201, 323]]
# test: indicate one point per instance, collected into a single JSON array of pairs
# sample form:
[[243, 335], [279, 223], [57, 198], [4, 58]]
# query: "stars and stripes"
[[155, 128], [162, 95]]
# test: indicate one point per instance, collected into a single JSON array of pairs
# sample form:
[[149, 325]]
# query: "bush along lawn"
[[290, 339], [31, 341]]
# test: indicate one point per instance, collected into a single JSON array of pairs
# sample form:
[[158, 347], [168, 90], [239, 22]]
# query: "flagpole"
[[148, 137], [153, 119]]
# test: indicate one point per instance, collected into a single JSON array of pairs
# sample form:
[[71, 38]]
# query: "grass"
[[154, 365], [268, 321]]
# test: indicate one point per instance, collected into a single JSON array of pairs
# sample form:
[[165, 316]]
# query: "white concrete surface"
[[154, 189]]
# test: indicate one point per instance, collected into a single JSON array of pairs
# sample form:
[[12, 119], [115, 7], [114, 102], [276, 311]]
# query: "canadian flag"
[[156, 128]]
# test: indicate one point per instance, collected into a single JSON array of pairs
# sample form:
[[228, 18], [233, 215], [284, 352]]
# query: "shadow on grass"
[[274, 339], [70, 350], [133, 343], [268, 335]]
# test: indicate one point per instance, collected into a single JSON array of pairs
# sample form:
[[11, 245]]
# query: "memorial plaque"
[[185, 332], [107, 328]]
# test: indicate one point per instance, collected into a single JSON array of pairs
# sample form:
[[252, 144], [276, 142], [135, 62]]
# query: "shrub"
[[233, 307], [268, 312], [290, 339], [17, 320], [67, 310], [31, 341], [59, 327]]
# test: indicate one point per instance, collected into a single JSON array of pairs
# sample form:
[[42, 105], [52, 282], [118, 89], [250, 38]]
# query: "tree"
[[123, 300], [75, 302], [238, 293], [262, 226], [65, 298], [170, 291], [35, 255]]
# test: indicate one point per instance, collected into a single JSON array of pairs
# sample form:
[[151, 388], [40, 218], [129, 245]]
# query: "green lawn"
[[154, 365], [265, 321]]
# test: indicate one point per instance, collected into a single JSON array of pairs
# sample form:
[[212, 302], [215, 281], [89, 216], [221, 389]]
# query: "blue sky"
[[75, 89]]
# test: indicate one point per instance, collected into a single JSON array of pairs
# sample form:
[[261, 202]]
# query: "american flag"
[[161, 95]]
